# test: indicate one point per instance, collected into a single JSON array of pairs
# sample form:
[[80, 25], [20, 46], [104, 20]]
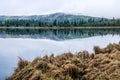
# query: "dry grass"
[[104, 64]]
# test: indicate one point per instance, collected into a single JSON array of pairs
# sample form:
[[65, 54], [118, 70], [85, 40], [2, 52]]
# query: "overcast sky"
[[100, 8]]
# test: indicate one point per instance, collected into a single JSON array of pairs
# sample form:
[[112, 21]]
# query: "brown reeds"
[[104, 64]]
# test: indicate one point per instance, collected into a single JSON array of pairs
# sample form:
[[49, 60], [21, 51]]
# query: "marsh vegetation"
[[103, 64]]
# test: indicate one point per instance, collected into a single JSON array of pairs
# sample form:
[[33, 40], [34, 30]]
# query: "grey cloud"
[[104, 8]]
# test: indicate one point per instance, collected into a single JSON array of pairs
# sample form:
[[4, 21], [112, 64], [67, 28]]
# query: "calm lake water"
[[56, 34], [29, 44]]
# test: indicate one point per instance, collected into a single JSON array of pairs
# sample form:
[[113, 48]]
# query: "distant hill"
[[50, 17], [57, 19]]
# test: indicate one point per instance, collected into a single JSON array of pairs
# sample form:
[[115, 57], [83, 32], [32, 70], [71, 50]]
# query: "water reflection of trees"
[[58, 33]]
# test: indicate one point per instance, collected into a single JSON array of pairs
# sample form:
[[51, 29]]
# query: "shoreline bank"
[[99, 27], [103, 64]]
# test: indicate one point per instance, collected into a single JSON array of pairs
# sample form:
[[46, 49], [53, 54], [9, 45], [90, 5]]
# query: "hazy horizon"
[[60, 13], [95, 8]]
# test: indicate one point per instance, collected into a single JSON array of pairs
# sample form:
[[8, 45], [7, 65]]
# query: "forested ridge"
[[58, 20]]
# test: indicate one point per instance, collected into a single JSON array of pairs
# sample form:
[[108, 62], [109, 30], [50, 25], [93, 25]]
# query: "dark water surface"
[[56, 34]]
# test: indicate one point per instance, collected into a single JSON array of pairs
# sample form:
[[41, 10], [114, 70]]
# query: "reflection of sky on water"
[[56, 34], [11, 48]]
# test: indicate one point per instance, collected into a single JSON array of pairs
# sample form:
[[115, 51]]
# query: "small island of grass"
[[104, 64]]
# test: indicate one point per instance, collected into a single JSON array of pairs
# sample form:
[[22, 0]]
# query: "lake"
[[31, 43]]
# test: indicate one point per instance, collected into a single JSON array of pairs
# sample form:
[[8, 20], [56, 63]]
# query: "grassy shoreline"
[[22, 27], [104, 64]]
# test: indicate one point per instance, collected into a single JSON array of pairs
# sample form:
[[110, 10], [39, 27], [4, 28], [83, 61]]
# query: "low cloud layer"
[[100, 8]]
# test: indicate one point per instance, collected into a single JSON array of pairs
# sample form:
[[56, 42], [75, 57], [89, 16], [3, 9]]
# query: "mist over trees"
[[58, 20]]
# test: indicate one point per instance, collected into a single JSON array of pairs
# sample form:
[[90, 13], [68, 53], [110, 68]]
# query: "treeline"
[[60, 23]]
